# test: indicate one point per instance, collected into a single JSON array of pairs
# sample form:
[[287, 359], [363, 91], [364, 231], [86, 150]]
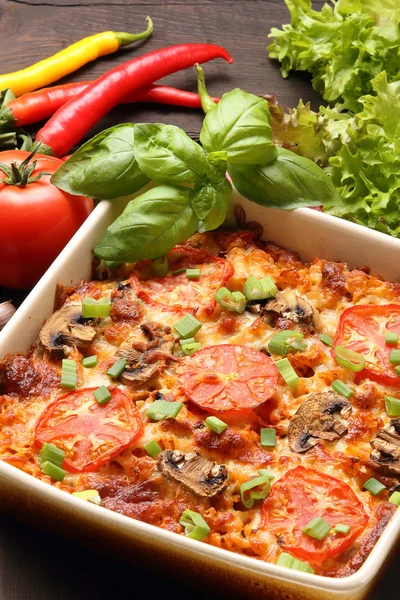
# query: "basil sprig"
[[193, 190], [239, 125], [210, 203], [287, 182], [105, 167], [167, 155], [150, 225]]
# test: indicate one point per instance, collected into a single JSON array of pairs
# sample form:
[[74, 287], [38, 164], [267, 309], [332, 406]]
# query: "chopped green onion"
[[394, 357], [221, 294], [68, 365], [187, 341], [317, 528], [266, 473], [326, 339], [102, 394], [240, 302], [89, 495], [374, 486], [285, 560], [68, 374], [89, 361], [189, 349], [259, 289], [395, 498], [92, 308], [349, 360], [152, 448], [53, 471], [116, 369], [195, 526], [285, 341], [397, 370], [392, 406], [187, 327], [340, 528], [50, 453], [342, 389], [178, 271], [392, 338], [159, 266], [216, 424], [235, 301], [268, 437], [264, 480], [193, 273], [161, 409], [288, 373]]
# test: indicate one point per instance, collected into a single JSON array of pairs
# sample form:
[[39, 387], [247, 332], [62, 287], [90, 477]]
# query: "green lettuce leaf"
[[315, 135], [360, 152], [366, 170], [296, 131], [343, 47]]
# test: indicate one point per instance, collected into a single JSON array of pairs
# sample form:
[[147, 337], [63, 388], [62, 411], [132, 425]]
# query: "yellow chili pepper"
[[69, 60]]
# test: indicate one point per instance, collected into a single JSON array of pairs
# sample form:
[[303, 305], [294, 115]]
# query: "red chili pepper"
[[42, 104], [70, 123]]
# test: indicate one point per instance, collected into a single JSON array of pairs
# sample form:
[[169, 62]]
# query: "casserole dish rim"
[[351, 583]]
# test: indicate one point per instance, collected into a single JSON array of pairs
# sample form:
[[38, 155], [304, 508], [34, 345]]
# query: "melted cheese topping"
[[132, 484]]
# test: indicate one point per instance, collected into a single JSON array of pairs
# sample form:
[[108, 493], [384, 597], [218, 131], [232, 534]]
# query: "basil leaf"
[[167, 155], [150, 225], [217, 165], [210, 203], [290, 181], [104, 167], [240, 126]]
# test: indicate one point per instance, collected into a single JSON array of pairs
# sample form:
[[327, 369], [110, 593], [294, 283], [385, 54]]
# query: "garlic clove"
[[6, 312]]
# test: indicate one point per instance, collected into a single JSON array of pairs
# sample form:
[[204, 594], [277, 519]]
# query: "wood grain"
[[30, 30], [36, 565], [39, 30]]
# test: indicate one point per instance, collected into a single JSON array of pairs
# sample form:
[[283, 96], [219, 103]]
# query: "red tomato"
[[300, 496], [363, 328], [37, 220], [178, 293], [89, 433], [228, 378]]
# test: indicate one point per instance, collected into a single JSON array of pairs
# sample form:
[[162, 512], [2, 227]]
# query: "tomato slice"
[[177, 292], [89, 433], [228, 378], [362, 328], [300, 496]]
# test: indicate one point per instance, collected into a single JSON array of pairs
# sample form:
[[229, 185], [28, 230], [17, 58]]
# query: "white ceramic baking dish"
[[306, 231]]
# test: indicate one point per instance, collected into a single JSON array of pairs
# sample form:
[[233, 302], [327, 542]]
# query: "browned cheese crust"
[[133, 483]]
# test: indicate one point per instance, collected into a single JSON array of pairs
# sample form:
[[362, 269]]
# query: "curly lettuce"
[[360, 152], [343, 47], [366, 169]]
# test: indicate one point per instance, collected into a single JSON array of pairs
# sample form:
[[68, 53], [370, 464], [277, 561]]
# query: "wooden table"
[[39, 566]]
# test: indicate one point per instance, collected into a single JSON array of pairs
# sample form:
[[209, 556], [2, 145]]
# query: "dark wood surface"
[[40, 566]]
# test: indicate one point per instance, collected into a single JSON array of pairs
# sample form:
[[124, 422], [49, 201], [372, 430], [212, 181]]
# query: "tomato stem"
[[20, 174]]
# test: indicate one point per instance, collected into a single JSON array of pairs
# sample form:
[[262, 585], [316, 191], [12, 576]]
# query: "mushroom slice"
[[290, 306], [385, 455], [145, 359], [199, 475], [66, 329], [314, 420], [394, 425]]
